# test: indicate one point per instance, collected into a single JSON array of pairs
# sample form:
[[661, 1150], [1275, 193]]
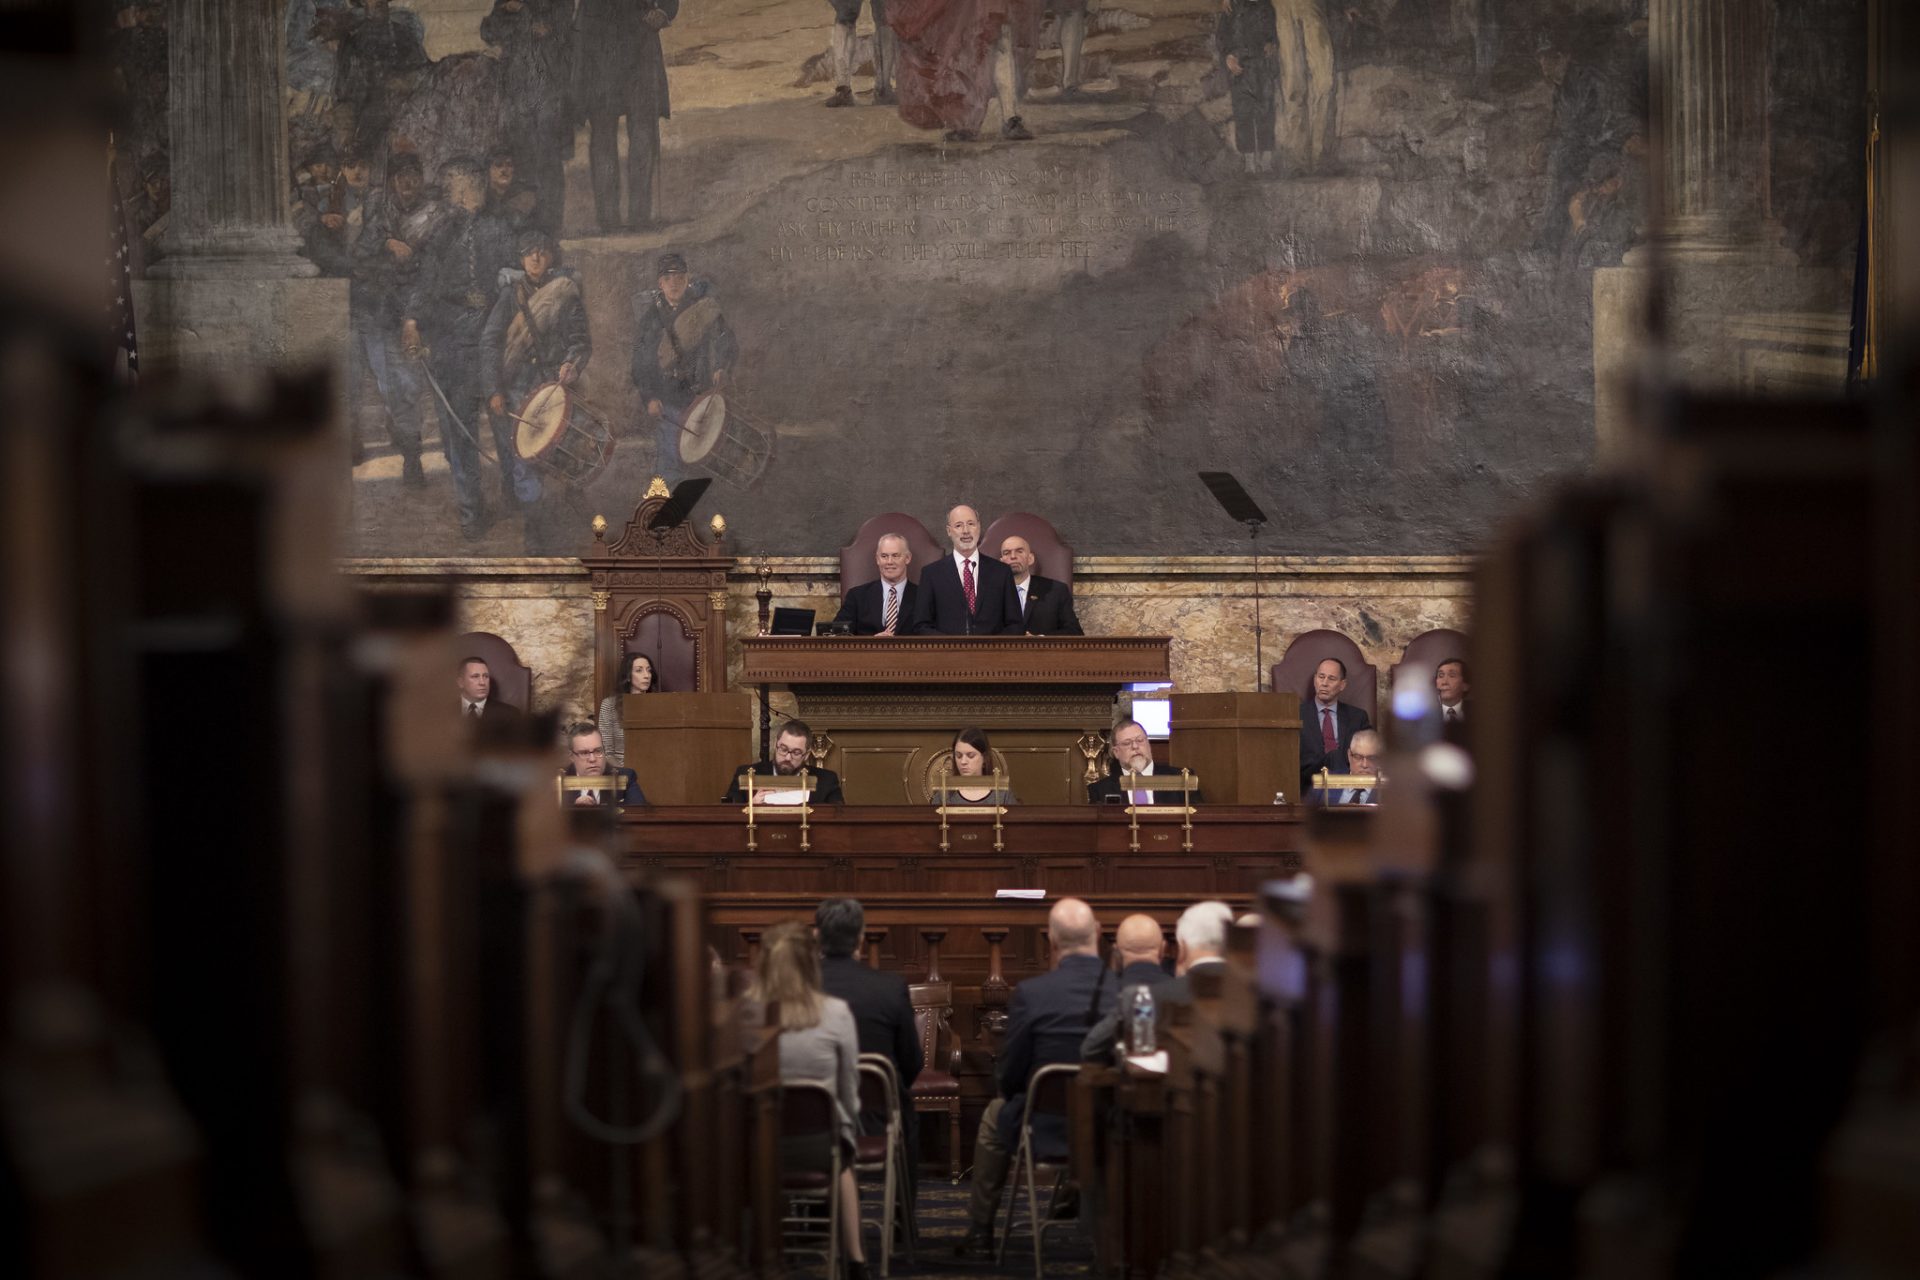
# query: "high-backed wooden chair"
[[1428, 650], [663, 636], [937, 1088], [1052, 558], [512, 678], [1294, 672], [856, 558]]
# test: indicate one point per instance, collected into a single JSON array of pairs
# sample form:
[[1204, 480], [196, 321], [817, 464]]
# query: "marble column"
[[226, 122], [1711, 65]]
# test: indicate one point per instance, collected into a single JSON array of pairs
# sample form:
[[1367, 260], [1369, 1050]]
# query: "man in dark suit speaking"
[[965, 594], [1046, 606], [883, 607]]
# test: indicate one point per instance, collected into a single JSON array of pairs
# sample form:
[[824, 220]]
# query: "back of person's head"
[[789, 974], [840, 922], [1139, 938], [1202, 931], [1072, 928]]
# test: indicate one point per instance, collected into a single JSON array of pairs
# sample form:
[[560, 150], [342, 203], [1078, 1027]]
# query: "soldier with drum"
[[682, 349]]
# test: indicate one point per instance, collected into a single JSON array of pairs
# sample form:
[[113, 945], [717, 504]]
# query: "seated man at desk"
[[1046, 605], [878, 608], [586, 758], [1133, 752], [971, 757], [789, 753], [1363, 756]]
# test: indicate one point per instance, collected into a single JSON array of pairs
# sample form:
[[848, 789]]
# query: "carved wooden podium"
[[1246, 745], [662, 593], [884, 709]]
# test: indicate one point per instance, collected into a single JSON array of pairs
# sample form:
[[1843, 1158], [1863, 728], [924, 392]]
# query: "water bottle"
[[1140, 1018]]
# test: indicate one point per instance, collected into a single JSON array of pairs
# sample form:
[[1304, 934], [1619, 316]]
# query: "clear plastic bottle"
[[1140, 1021]]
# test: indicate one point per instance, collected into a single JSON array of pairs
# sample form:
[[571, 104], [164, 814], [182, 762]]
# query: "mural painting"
[[1052, 255]]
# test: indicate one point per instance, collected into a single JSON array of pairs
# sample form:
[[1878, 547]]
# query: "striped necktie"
[[893, 607]]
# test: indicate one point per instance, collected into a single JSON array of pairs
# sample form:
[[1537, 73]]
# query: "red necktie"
[[1329, 739], [966, 581]]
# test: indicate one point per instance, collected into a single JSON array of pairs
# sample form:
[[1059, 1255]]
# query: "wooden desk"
[[889, 706]]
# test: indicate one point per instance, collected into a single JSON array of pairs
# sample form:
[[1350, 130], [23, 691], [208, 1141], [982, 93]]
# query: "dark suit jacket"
[[1347, 721], [1098, 1046], [1049, 608], [826, 784], [866, 608], [882, 1012], [630, 793], [940, 607], [500, 722], [1336, 796], [1097, 792], [1047, 1019]]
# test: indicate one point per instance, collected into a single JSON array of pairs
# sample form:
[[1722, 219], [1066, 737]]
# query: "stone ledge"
[[788, 568]]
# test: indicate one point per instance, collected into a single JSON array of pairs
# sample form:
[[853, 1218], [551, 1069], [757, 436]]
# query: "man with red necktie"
[[1327, 725], [966, 593]]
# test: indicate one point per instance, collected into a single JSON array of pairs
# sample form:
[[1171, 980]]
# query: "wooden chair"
[[884, 1153], [662, 634], [856, 558], [512, 678], [1052, 558], [937, 1090]]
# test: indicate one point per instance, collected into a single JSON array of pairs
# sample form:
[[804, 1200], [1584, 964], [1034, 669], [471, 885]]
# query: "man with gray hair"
[[1363, 757], [881, 607], [1047, 1019]]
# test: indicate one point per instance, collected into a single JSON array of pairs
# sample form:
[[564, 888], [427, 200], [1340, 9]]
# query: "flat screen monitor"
[[1152, 710], [792, 622]]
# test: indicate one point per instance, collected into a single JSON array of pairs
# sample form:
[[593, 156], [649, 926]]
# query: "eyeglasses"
[[593, 751]]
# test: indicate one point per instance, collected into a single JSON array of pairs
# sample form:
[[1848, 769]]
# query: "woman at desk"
[[637, 678], [971, 753]]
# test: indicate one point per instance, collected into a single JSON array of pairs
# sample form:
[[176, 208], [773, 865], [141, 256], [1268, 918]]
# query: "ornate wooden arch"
[[674, 572]]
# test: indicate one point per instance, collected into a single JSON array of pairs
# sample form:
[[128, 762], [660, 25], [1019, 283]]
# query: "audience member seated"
[[639, 677], [972, 756], [817, 1043], [492, 720], [1138, 952], [1046, 606], [1363, 756], [1133, 751], [587, 758], [966, 594], [1327, 725], [880, 607], [789, 753], [1450, 685], [882, 1009], [1047, 1019]]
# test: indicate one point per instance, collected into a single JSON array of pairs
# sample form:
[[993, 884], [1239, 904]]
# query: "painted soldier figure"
[[380, 54], [682, 349], [512, 199], [1246, 39], [620, 70], [394, 226], [537, 331], [447, 313], [535, 39]]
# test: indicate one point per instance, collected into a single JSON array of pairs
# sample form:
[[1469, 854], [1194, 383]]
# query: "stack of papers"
[[1036, 895]]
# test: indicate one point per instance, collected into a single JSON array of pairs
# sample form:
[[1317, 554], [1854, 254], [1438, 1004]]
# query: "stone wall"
[[543, 607]]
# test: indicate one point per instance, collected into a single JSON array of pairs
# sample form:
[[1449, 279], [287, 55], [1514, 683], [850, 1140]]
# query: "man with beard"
[[955, 56], [682, 349], [789, 753], [620, 70], [446, 315], [386, 262], [535, 39]]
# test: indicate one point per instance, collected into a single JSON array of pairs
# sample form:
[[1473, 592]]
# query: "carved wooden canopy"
[[662, 593]]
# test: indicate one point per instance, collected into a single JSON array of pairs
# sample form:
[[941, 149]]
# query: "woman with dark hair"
[[972, 757], [818, 1043], [639, 677]]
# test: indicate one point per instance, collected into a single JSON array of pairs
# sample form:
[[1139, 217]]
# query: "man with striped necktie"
[[878, 608]]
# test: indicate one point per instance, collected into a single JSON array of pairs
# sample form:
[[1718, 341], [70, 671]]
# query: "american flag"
[[126, 347]]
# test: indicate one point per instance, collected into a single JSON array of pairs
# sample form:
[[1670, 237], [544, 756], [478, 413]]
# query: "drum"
[[558, 433], [720, 439]]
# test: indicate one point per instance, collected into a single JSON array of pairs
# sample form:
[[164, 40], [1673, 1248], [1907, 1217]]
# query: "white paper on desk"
[[783, 797], [1149, 1061], [1037, 895]]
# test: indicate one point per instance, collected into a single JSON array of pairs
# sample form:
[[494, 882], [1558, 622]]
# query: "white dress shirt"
[[472, 708], [1021, 587]]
